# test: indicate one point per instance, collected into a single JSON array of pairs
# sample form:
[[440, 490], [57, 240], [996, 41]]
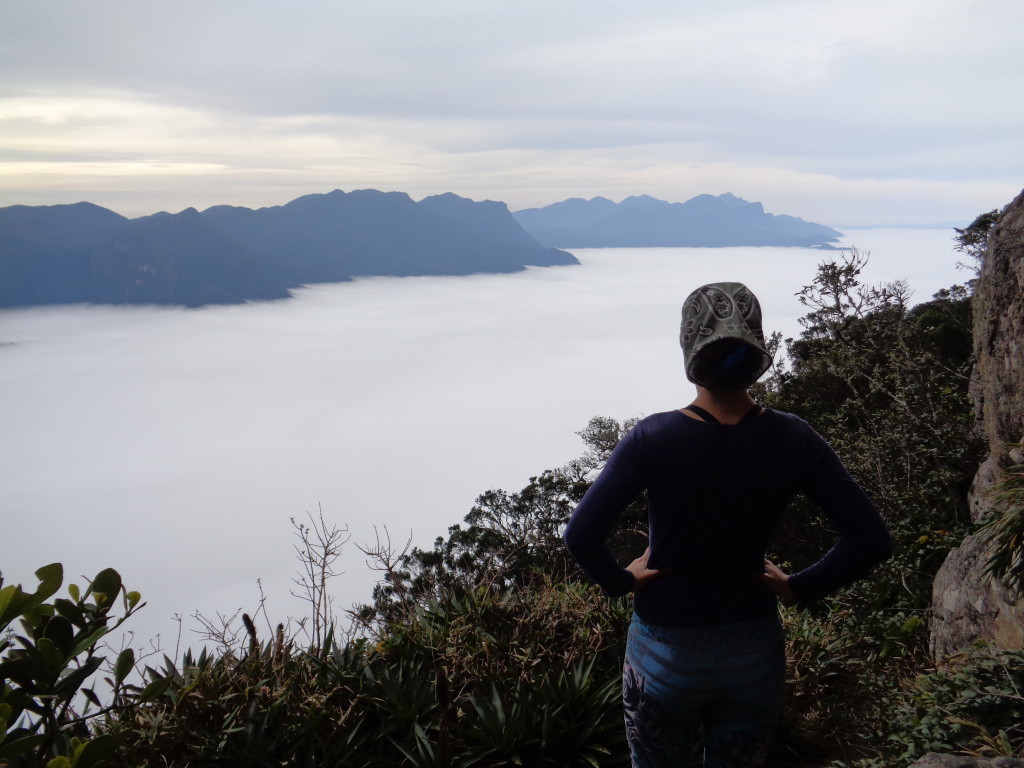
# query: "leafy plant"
[[1005, 531], [976, 708], [46, 665], [887, 386], [484, 678]]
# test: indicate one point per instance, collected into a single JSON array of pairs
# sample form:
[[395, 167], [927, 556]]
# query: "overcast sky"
[[866, 113]]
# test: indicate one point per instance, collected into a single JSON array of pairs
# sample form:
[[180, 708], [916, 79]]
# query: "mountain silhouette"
[[644, 221], [84, 253]]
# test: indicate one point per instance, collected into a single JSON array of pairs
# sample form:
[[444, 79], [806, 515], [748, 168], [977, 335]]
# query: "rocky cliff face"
[[965, 606]]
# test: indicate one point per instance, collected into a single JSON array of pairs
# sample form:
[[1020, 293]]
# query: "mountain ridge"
[[83, 253], [642, 221]]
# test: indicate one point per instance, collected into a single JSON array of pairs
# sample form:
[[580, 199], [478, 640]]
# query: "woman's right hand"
[[642, 575]]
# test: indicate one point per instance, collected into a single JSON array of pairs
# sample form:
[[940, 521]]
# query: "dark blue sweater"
[[716, 495]]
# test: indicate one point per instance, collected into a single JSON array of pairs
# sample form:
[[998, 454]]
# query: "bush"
[[975, 708], [47, 704], [1005, 531], [486, 678]]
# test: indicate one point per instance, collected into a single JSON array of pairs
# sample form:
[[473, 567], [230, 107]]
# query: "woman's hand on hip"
[[642, 575], [777, 581]]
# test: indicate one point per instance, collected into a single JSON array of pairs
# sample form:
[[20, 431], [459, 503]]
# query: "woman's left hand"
[[777, 581], [643, 575]]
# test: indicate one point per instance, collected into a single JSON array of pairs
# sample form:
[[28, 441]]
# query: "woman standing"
[[705, 647]]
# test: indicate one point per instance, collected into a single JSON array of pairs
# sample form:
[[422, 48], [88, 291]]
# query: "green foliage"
[[840, 662], [46, 665], [487, 678], [974, 708], [1005, 531], [887, 386], [973, 239]]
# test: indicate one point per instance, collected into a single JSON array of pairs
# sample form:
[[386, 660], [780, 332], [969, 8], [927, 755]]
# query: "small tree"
[[973, 239], [319, 547]]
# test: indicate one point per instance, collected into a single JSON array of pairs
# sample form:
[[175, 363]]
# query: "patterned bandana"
[[722, 311]]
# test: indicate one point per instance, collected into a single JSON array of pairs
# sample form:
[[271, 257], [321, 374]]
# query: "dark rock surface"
[[965, 606]]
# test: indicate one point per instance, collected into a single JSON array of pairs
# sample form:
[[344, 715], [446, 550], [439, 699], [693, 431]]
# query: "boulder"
[[968, 609]]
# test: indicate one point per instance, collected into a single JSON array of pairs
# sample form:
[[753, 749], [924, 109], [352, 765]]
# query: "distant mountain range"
[[65, 254], [644, 221], [84, 253]]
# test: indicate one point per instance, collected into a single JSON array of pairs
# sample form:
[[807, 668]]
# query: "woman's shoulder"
[[796, 431], [675, 422], [670, 420], [657, 427], [789, 419]]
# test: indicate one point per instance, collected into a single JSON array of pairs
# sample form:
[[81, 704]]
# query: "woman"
[[705, 647]]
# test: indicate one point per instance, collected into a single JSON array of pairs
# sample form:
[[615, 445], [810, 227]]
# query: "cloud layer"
[[174, 445]]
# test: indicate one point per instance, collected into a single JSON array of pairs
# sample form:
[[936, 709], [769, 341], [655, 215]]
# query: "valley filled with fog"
[[175, 445]]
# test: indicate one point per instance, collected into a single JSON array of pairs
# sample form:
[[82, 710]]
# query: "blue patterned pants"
[[728, 679]]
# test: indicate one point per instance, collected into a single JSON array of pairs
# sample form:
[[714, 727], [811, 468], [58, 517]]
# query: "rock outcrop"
[[965, 606]]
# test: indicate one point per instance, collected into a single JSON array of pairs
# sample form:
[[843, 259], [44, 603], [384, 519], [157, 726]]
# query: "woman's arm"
[[864, 540], [586, 534]]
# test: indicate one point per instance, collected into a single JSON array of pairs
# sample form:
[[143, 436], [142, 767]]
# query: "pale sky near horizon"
[[848, 114]]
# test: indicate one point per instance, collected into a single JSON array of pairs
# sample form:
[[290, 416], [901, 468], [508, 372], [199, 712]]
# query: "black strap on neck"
[[754, 412], [705, 416]]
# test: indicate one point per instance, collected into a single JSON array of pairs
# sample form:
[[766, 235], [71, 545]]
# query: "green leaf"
[[17, 603], [71, 682], [59, 630], [154, 689], [6, 596], [133, 598], [21, 745], [94, 751], [70, 611], [75, 593], [17, 669], [89, 641], [60, 762], [50, 578], [90, 694], [50, 652], [107, 583], [124, 665]]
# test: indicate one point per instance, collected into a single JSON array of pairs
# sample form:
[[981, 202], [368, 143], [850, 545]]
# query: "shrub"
[[45, 669], [487, 677], [975, 708], [1005, 531]]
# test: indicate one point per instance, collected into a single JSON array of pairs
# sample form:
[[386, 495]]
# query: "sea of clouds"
[[176, 445]]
